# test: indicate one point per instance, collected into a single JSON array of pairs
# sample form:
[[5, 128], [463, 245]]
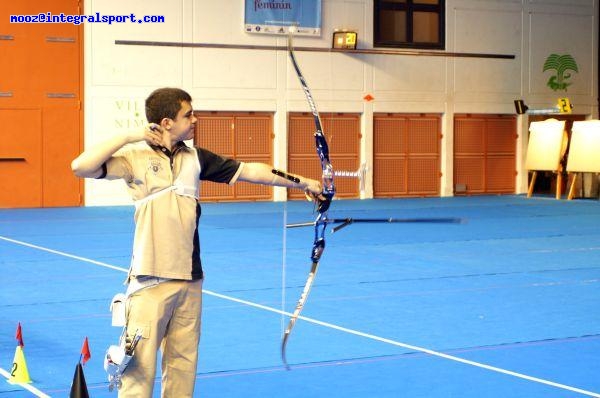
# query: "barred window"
[[409, 23]]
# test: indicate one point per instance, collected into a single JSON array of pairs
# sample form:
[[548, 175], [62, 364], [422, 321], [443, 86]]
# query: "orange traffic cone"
[[19, 372]]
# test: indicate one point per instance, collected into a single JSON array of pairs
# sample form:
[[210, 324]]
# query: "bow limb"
[[317, 250], [320, 141], [318, 247], [296, 314]]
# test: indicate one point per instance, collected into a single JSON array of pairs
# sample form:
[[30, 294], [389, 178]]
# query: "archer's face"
[[184, 124]]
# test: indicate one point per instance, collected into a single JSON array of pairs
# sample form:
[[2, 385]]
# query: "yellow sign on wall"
[[564, 105]]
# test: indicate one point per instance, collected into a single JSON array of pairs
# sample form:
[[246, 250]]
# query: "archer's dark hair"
[[165, 103]]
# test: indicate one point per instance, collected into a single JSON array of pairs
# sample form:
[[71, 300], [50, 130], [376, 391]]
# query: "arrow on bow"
[[323, 201]]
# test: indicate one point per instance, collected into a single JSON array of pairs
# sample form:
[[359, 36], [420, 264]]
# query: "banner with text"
[[276, 16]]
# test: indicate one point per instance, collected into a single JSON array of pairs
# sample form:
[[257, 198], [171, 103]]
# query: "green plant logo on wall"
[[561, 64]]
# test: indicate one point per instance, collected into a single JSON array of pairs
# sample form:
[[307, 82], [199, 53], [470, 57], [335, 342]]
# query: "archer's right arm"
[[89, 163]]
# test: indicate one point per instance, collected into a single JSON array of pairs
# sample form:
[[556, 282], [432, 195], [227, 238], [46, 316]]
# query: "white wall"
[[119, 77]]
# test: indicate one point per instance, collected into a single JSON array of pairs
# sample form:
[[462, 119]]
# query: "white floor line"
[[335, 327], [87, 260], [26, 386]]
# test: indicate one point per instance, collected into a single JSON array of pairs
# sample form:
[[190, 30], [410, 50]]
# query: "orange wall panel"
[[406, 150], [342, 132], [485, 153], [21, 158], [42, 67], [245, 136]]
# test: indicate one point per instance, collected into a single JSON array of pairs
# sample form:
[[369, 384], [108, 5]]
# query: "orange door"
[[407, 153], [342, 131], [41, 88], [21, 158], [485, 154], [245, 136]]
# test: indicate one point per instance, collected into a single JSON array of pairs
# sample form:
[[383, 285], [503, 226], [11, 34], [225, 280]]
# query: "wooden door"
[[21, 158], [406, 150], [485, 154], [342, 131], [245, 136]]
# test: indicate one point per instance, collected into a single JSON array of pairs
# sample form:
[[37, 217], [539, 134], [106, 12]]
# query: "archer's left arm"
[[260, 173]]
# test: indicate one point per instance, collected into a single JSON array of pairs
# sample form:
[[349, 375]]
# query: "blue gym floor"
[[506, 304]]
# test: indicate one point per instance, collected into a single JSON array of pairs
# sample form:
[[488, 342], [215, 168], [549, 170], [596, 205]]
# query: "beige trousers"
[[168, 316]]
